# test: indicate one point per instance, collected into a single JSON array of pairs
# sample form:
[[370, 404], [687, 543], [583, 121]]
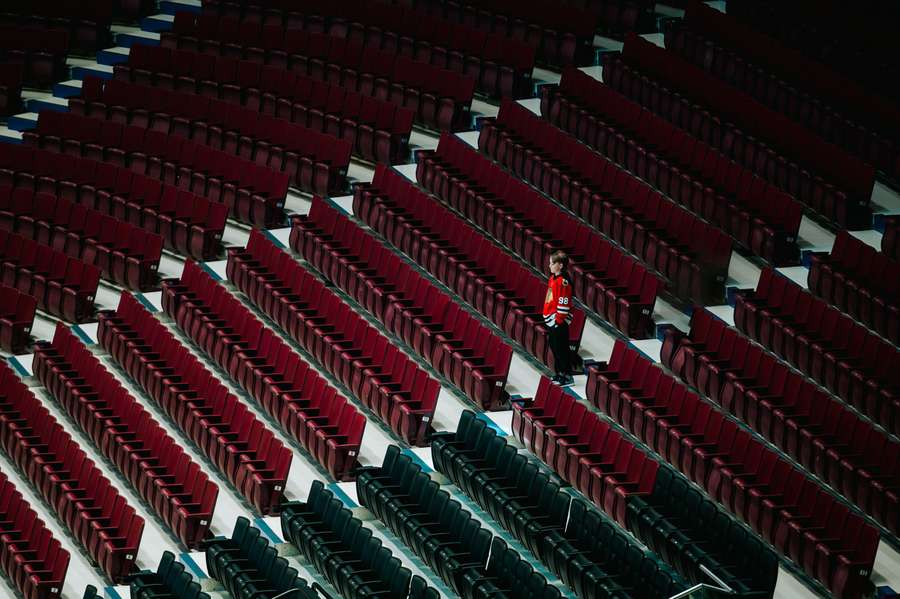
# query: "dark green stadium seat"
[[442, 533], [575, 543], [689, 531], [249, 568], [345, 552], [170, 581]]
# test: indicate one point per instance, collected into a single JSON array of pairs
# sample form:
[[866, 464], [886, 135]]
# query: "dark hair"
[[560, 256]]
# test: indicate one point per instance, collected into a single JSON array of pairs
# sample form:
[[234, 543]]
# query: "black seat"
[[170, 581], [575, 542], [249, 568], [344, 551]]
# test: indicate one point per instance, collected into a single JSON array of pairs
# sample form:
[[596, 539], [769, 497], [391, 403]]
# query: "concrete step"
[[157, 23], [67, 89], [81, 67], [128, 36], [22, 122], [170, 7], [113, 56]]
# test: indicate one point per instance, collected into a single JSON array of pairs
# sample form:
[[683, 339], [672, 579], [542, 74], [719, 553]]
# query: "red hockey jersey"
[[558, 301]]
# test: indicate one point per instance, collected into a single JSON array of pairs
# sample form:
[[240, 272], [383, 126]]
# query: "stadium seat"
[[806, 422], [388, 382], [345, 552], [439, 98], [170, 581], [586, 451], [17, 311], [378, 130], [853, 41], [64, 287], [605, 278], [501, 66], [562, 34], [858, 119], [328, 426], [86, 503], [758, 215], [456, 254], [125, 254], [890, 241], [574, 542], [188, 224], [252, 193], [456, 344], [822, 176], [241, 447], [449, 540], [247, 566], [33, 559], [830, 347], [87, 23], [10, 89], [861, 282], [157, 467], [802, 519], [314, 162], [693, 255], [37, 53]]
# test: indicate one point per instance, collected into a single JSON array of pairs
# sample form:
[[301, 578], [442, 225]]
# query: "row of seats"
[[252, 193], [86, 22], [11, 75], [314, 161], [188, 223], [125, 254], [617, 16], [506, 292], [86, 502], [562, 35], [806, 422], [454, 342], [603, 464], [822, 176], [890, 240], [172, 484], [40, 52], [239, 445], [328, 426], [17, 312], [248, 566], [828, 346], [606, 279], [860, 281], [466, 556], [345, 552], [63, 286], [755, 213], [614, 15], [651, 501], [32, 558], [575, 543], [833, 106], [378, 130], [438, 98], [690, 252], [501, 66], [367, 362], [170, 581], [854, 40], [824, 536]]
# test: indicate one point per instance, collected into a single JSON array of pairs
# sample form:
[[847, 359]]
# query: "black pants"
[[559, 345]]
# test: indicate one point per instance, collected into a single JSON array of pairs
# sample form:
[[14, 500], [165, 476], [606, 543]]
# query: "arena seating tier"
[[288, 259]]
